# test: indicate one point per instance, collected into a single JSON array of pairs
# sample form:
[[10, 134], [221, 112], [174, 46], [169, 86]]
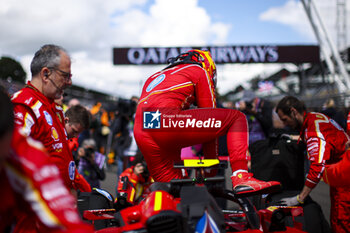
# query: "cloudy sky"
[[90, 29]]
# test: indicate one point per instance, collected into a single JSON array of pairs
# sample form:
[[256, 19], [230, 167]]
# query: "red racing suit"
[[338, 174], [325, 141], [31, 186], [164, 123], [43, 120], [137, 187], [348, 124]]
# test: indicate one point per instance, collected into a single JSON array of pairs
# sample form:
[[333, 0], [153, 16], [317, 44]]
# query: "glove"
[[290, 201]]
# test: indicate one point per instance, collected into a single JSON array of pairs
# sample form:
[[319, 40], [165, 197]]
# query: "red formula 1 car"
[[188, 205]]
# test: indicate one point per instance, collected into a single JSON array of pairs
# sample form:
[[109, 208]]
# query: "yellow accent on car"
[[200, 163], [272, 208], [132, 195], [158, 201]]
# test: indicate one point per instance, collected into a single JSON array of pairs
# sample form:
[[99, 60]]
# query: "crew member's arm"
[[81, 183], [204, 90], [25, 119], [338, 174], [316, 151], [38, 183], [205, 98]]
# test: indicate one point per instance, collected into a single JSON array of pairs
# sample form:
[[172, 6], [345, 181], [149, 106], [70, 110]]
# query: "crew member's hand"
[[291, 201]]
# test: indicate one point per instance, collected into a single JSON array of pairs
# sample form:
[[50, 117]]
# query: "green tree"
[[10, 68]]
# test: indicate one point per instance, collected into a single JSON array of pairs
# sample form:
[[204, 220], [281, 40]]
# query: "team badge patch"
[[48, 118], [155, 82], [54, 134], [71, 170]]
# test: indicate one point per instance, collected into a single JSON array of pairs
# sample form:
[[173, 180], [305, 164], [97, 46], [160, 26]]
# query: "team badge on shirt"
[[54, 134], [71, 170], [48, 118], [155, 82]]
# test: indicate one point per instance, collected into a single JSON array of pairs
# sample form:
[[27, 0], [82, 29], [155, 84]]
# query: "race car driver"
[[164, 123], [326, 144], [30, 184], [38, 115]]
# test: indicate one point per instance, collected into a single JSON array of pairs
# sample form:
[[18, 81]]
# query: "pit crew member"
[[31, 184], [38, 115], [326, 144]]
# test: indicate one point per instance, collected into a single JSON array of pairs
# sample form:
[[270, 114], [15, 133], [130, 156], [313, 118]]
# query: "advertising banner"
[[221, 54]]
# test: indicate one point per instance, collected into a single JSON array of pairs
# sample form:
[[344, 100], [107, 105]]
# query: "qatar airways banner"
[[221, 54]]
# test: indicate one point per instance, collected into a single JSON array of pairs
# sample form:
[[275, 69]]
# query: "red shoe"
[[244, 184]]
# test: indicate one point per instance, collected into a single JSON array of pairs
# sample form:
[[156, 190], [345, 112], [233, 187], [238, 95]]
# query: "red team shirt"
[[31, 186], [178, 91], [43, 120], [325, 141]]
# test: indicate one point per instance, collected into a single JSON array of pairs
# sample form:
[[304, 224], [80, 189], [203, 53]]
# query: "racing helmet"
[[199, 57]]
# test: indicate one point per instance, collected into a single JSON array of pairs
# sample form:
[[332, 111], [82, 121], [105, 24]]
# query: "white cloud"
[[90, 29], [104, 76], [292, 14], [170, 23], [76, 25]]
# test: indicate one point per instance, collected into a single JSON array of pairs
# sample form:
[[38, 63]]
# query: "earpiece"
[[46, 74]]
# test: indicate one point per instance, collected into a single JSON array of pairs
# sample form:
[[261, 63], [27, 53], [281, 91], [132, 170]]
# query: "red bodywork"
[[135, 217], [160, 209]]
